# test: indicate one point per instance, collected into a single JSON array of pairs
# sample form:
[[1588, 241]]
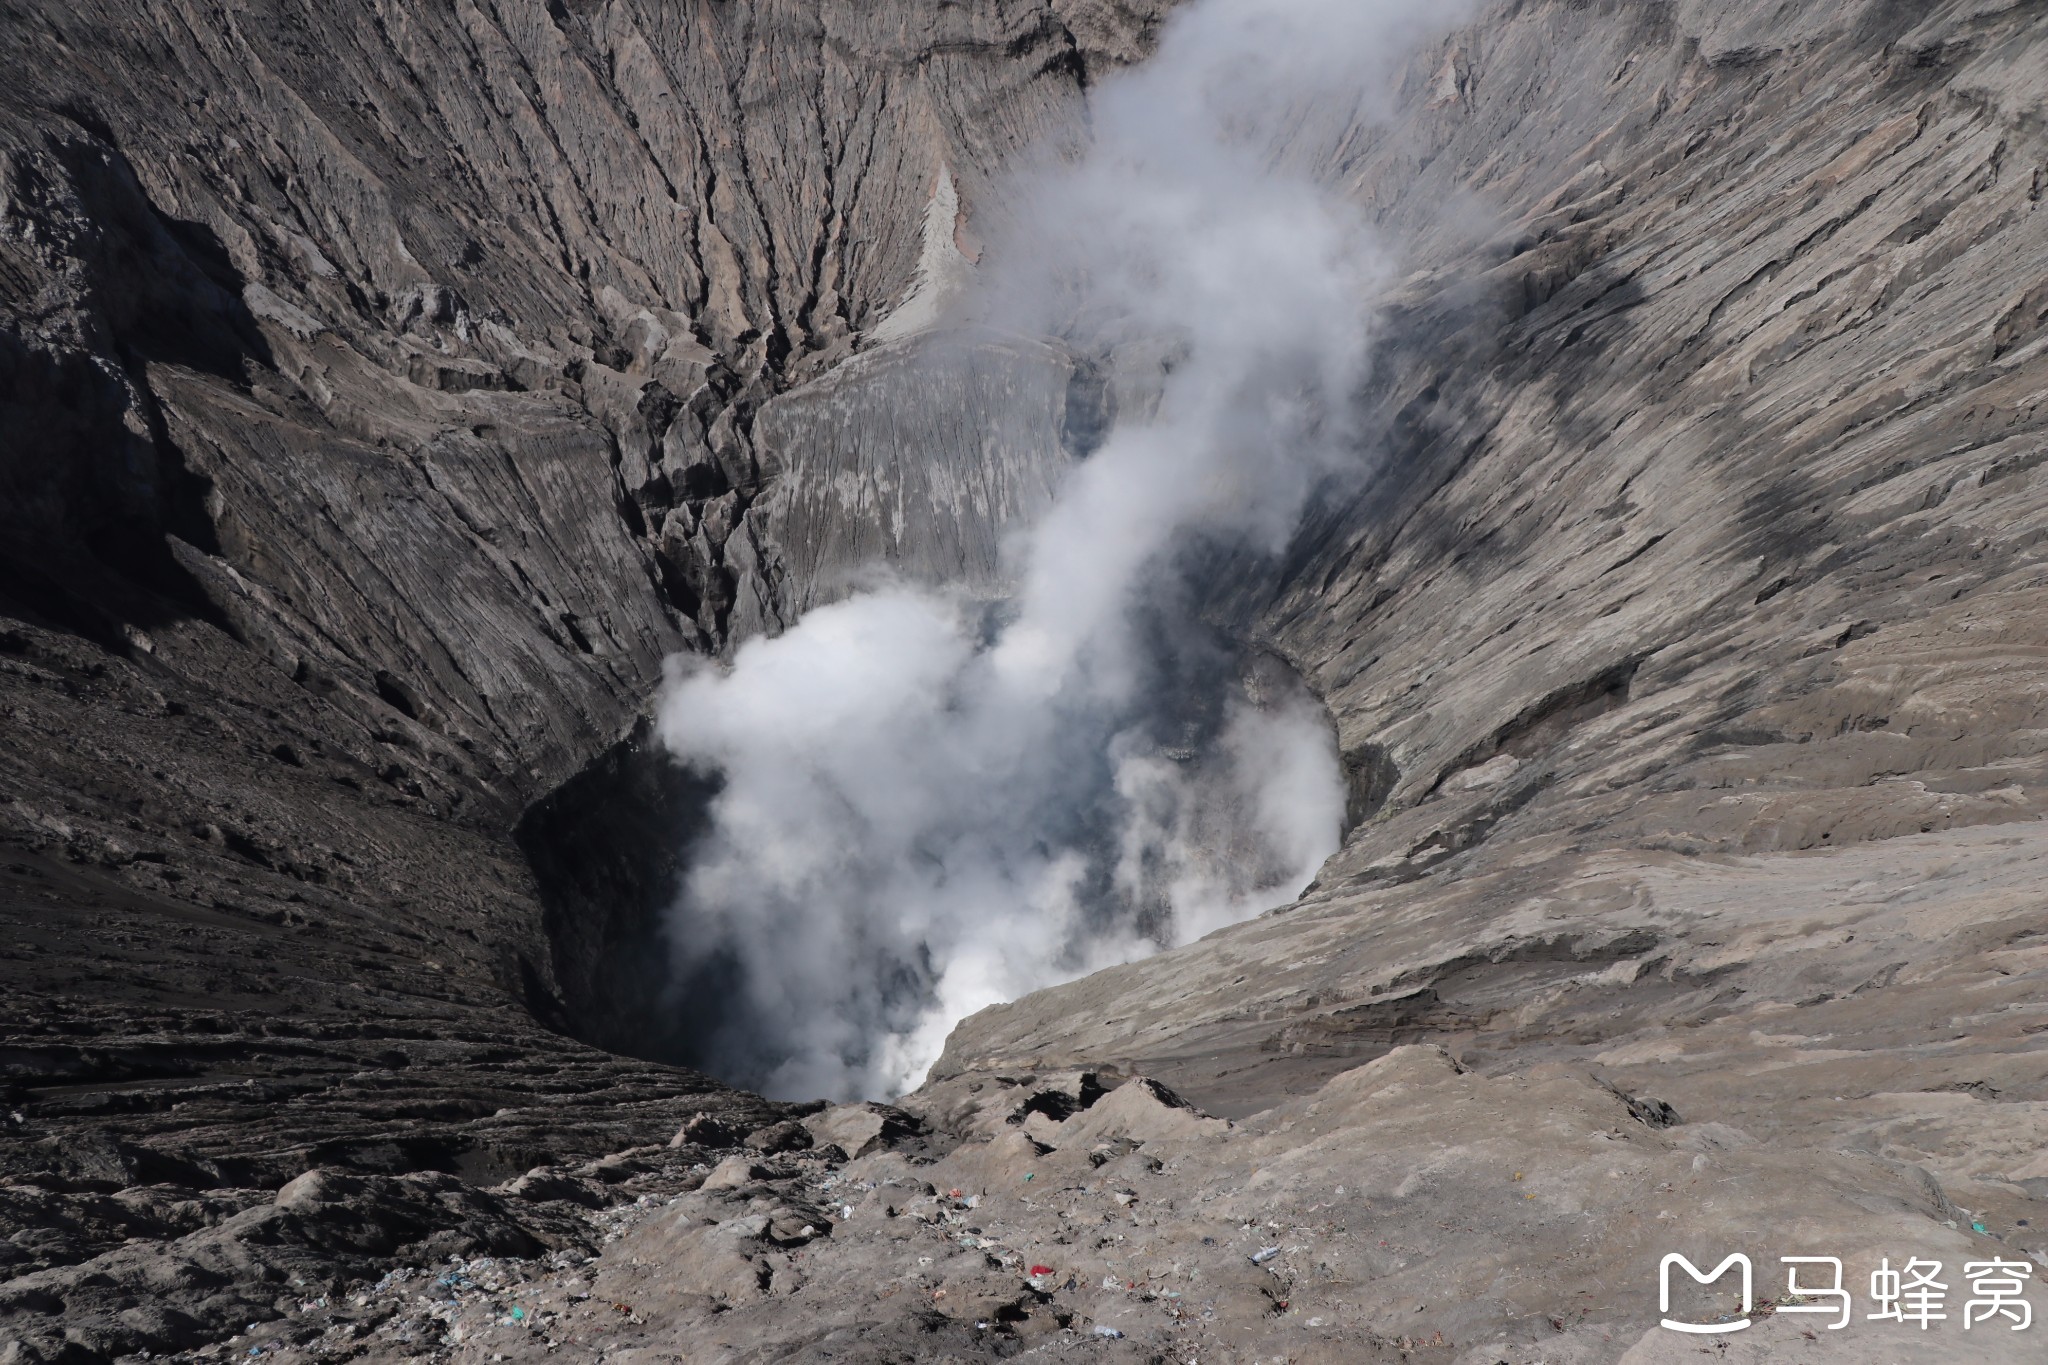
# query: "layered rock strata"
[[390, 392], [379, 388]]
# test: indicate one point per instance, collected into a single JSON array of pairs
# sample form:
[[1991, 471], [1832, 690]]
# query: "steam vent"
[[1157, 682]]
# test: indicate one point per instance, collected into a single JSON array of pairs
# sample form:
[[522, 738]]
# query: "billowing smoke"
[[932, 804]]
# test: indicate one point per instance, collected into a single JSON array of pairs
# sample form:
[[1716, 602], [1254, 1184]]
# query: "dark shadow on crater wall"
[[608, 849], [92, 487]]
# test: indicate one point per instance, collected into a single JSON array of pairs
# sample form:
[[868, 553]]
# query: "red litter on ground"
[[1040, 1270]]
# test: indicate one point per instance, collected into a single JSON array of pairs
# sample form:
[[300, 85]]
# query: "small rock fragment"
[[734, 1173], [786, 1136], [705, 1130], [860, 1129]]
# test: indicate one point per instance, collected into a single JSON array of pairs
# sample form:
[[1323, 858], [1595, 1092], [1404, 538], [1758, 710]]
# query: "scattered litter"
[[1109, 1332], [1040, 1271], [1264, 1254], [1978, 1227]]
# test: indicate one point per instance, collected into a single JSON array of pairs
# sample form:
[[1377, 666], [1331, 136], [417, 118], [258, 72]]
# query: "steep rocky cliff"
[[380, 389], [389, 389]]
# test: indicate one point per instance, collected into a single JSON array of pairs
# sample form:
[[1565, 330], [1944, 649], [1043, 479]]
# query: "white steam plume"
[[931, 805]]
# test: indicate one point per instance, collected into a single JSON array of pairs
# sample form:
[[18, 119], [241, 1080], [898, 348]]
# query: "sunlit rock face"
[[381, 389], [391, 393]]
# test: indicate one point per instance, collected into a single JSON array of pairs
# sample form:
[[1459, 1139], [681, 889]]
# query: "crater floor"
[[388, 394]]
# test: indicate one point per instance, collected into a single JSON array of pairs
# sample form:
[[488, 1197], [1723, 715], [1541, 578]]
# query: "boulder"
[[1142, 1110], [861, 1129]]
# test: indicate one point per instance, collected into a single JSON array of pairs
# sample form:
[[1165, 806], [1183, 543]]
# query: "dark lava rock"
[[786, 1136]]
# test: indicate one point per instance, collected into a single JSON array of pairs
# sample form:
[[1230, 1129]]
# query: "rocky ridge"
[[1080, 1217], [378, 433], [380, 388]]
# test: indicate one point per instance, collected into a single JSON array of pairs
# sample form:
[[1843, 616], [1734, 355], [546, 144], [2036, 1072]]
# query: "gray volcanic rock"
[[916, 457], [1718, 574], [379, 391], [1408, 1209], [1686, 649], [389, 393]]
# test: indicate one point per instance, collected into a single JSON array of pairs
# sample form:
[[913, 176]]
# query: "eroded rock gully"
[[389, 389]]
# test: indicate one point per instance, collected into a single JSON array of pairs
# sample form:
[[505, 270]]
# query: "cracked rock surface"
[[388, 390], [380, 388], [1352, 1223]]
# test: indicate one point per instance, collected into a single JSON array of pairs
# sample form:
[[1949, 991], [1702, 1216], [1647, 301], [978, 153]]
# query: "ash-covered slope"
[[378, 387], [1708, 557], [1689, 666], [389, 388]]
